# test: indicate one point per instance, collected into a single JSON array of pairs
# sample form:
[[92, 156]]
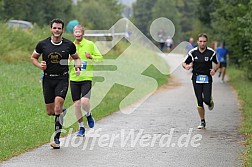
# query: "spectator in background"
[[222, 54], [161, 38], [169, 43], [191, 45]]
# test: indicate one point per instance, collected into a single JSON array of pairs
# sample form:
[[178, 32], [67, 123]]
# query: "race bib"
[[202, 79], [83, 65]]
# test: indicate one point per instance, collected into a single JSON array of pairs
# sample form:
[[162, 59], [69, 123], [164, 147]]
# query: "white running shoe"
[[202, 125]]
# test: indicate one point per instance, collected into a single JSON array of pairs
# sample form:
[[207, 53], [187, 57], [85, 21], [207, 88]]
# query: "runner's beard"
[[202, 47]]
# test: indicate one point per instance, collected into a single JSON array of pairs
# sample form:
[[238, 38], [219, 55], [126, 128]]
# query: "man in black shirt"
[[55, 51], [200, 59]]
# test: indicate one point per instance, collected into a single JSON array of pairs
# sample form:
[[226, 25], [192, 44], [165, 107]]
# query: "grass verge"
[[243, 86]]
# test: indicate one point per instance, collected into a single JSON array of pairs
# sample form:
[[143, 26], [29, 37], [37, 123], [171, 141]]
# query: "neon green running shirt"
[[87, 64]]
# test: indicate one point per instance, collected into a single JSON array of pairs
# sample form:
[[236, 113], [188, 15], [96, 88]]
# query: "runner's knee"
[[84, 101], [77, 104], [200, 104]]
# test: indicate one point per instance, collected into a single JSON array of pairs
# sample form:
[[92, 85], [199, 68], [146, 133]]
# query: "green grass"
[[22, 114], [243, 87]]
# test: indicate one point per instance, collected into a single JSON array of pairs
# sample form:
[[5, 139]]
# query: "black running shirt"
[[202, 62], [56, 55]]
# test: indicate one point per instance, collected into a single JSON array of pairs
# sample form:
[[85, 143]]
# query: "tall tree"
[[142, 11], [205, 8], [189, 23], [180, 12], [1, 10], [14, 9], [40, 12], [244, 22], [99, 15], [168, 9], [231, 21], [228, 22]]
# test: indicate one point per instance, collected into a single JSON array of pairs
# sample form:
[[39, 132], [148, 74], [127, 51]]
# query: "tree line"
[[229, 21], [222, 20], [97, 14]]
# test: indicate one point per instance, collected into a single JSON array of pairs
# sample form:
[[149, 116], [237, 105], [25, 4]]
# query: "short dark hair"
[[59, 21], [202, 35]]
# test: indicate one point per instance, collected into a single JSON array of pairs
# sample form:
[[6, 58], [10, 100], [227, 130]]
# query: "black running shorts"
[[80, 89], [223, 65], [54, 87]]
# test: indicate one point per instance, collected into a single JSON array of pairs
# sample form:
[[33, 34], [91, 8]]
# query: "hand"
[[212, 72], [188, 66], [88, 55], [77, 71], [43, 65]]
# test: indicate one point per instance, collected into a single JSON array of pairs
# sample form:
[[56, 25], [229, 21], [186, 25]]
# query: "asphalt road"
[[160, 132]]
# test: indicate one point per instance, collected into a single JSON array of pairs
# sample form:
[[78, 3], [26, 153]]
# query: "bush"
[[17, 45]]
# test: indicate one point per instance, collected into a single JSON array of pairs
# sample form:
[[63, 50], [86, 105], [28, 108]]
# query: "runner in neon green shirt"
[[81, 85]]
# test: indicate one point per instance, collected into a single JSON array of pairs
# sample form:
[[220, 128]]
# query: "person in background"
[[222, 54], [169, 43], [161, 38], [190, 45], [81, 85]]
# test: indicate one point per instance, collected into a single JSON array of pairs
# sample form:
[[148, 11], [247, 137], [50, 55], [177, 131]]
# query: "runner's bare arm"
[[77, 61], [213, 70], [34, 58]]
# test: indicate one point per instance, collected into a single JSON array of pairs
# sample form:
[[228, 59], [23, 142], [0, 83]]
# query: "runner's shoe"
[[81, 132], [211, 106], [55, 144], [90, 121], [62, 115], [64, 110], [202, 125]]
